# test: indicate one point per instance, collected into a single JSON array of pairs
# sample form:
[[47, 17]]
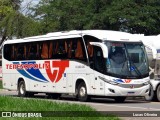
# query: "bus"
[[85, 64]]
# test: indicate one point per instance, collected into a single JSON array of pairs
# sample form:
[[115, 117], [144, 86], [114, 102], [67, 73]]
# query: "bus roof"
[[100, 34]]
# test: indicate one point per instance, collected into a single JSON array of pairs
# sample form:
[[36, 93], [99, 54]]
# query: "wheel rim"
[[82, 91], [22, 89]]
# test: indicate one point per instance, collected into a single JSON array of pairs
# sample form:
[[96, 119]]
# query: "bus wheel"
[[22, 89], [82, 92], [158, 93], [119, 99], [150, 96]]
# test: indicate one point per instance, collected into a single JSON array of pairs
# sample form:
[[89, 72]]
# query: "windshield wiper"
[[136, 69], [130, 67]]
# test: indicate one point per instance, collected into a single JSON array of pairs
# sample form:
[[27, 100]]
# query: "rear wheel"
[[22, 89], [82, 92], [119, 99]]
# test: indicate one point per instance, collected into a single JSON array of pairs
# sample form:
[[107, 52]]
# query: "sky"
[[28, 1], [25, 4]]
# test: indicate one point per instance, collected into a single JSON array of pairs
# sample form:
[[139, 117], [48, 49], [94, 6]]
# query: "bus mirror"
[[102, 46]]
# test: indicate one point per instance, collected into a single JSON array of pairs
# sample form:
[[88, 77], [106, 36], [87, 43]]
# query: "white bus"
[[82, 63]]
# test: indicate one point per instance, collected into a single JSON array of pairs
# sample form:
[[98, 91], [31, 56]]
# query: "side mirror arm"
[[103, 47]]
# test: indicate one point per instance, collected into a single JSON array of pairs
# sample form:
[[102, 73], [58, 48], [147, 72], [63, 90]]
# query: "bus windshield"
[[127, 60]]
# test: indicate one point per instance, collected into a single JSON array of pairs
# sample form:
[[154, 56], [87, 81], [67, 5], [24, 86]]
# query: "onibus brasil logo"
[[31, 70]]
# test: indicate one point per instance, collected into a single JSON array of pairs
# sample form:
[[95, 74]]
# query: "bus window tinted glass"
[[7, 52]]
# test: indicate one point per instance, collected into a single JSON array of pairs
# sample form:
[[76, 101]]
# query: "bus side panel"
[[6, 81], [32, 85], [8, 76], [80, 71], [70, 84], [13, 81], [99, 83], [61, 84]]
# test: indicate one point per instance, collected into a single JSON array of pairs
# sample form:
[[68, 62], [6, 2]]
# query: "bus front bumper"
[[113, 90]]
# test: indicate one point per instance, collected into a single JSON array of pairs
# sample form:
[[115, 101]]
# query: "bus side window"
[[50, 51], [60, 50], [70, 49], [32, 52], [44, 53], [25, 51], [79, 52], [90, 52], [47, 49], [73, 49], [12, 52], [7, 50], [20, 52], [76, 50]]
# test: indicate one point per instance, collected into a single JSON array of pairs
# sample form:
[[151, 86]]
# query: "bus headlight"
[[108, 81], [111, 82]]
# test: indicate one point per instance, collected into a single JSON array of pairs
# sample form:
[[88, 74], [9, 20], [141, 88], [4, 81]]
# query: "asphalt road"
[[106, 105]]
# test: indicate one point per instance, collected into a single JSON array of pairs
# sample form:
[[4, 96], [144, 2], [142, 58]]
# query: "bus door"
[[98, 67]]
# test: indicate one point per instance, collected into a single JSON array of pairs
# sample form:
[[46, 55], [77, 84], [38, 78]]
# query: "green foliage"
[[30, 105], [17, 104], [67, 15], [15, 24], [135, 16]]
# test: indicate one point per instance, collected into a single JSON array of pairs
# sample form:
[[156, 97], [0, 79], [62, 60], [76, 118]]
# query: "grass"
[[1, 84], [8, 103]]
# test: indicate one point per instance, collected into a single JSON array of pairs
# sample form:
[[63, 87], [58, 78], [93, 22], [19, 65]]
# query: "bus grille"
[[131, 85]]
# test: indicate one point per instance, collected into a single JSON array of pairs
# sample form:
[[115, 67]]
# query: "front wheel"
[[150, 96], [82, 92]]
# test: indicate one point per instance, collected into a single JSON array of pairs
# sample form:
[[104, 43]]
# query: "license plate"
[[130, 93]]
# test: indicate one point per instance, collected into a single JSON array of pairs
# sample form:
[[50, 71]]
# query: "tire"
[[82, 93], [119, 99], [151, 94], [22, 89], [158, 93]]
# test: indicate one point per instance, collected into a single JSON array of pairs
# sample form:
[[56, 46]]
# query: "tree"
[[13, 23], [134, 16], [6, 12]]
